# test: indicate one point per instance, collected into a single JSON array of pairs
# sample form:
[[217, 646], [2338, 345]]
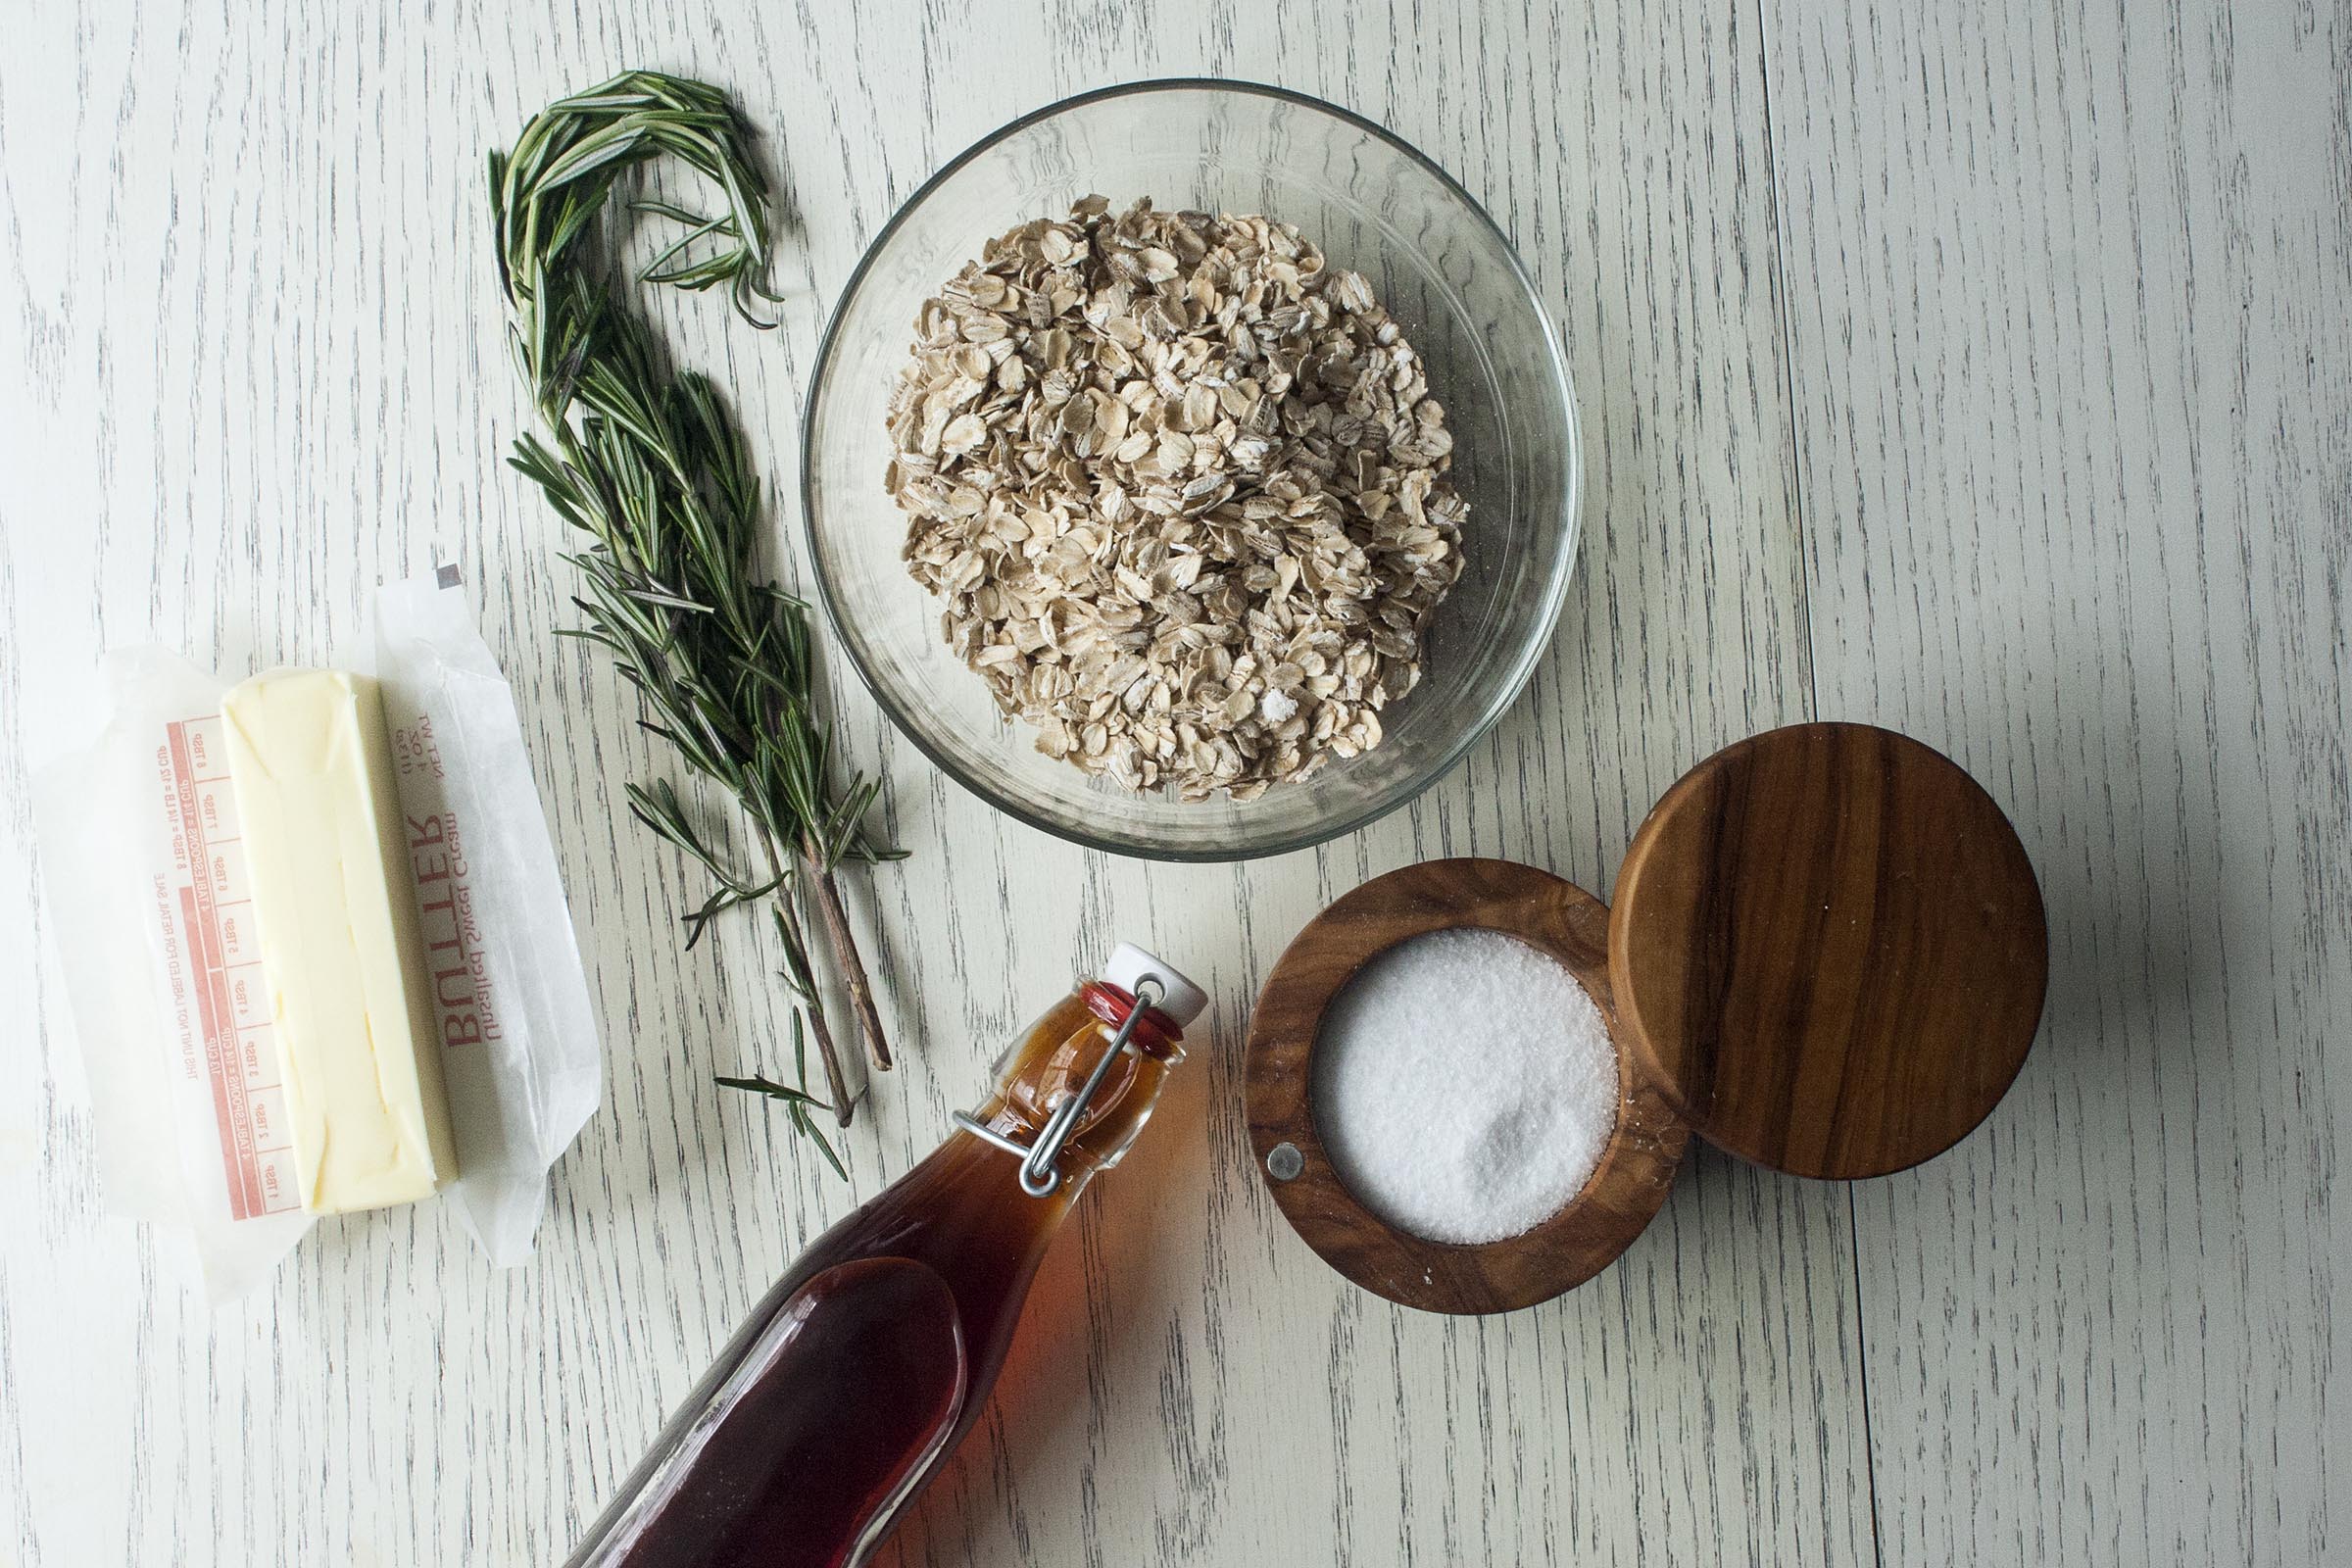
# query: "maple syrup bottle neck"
[[1053, 1132]]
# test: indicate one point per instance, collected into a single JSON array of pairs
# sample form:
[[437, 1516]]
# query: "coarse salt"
[[1465, 1085]]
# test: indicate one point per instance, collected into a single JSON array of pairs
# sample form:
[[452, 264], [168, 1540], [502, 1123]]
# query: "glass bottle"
[[863, 1366]]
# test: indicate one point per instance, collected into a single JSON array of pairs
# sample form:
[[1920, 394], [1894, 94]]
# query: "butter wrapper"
[[520, 1051], [147, 895]]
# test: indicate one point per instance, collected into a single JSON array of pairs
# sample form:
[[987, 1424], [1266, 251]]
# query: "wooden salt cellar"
[[1624, 1192], [1828, 957]]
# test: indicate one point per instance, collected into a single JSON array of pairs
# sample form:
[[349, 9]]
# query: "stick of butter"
[[336, 912]]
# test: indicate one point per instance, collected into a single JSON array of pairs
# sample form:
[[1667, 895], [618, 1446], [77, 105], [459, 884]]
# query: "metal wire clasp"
[[1040, 1175]]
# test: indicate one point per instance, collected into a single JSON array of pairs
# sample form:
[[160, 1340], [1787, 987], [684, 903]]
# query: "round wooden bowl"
[[1623, 1194]]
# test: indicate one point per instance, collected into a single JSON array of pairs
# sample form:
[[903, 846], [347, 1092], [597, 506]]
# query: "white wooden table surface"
[[1978, 370]]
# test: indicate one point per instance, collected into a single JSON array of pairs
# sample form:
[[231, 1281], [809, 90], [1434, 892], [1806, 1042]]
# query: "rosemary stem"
[[828, 1055], [836, 1087], [826, 893]]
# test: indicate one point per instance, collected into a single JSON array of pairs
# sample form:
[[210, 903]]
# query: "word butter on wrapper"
[[316, 946]]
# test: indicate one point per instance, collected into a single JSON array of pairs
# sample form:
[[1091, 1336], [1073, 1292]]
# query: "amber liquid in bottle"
[[864, 1365]]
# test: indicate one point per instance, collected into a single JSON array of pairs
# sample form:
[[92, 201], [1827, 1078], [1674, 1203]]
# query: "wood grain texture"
[[260, 367], [2072, 380], [1828, 951], [2028, 322], [1617, 1203]]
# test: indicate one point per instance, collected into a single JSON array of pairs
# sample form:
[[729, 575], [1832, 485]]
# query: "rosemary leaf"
[[773, 1091]]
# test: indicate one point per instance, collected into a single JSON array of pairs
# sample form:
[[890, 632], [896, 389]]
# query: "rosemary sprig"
[[651, 468]]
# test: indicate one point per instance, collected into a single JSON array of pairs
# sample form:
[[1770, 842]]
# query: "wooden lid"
[[1828, 948]]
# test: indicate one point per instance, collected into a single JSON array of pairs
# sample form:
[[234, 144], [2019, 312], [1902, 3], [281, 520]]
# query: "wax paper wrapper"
[[146, 891]]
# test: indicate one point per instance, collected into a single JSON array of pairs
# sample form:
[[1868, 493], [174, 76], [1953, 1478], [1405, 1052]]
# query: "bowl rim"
[[1321, 831]]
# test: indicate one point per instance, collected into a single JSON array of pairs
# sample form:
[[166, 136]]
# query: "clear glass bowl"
[[1373, 204]]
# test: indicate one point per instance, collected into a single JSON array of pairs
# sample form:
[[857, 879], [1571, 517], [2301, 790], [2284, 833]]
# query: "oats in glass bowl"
[[1182, 490]]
